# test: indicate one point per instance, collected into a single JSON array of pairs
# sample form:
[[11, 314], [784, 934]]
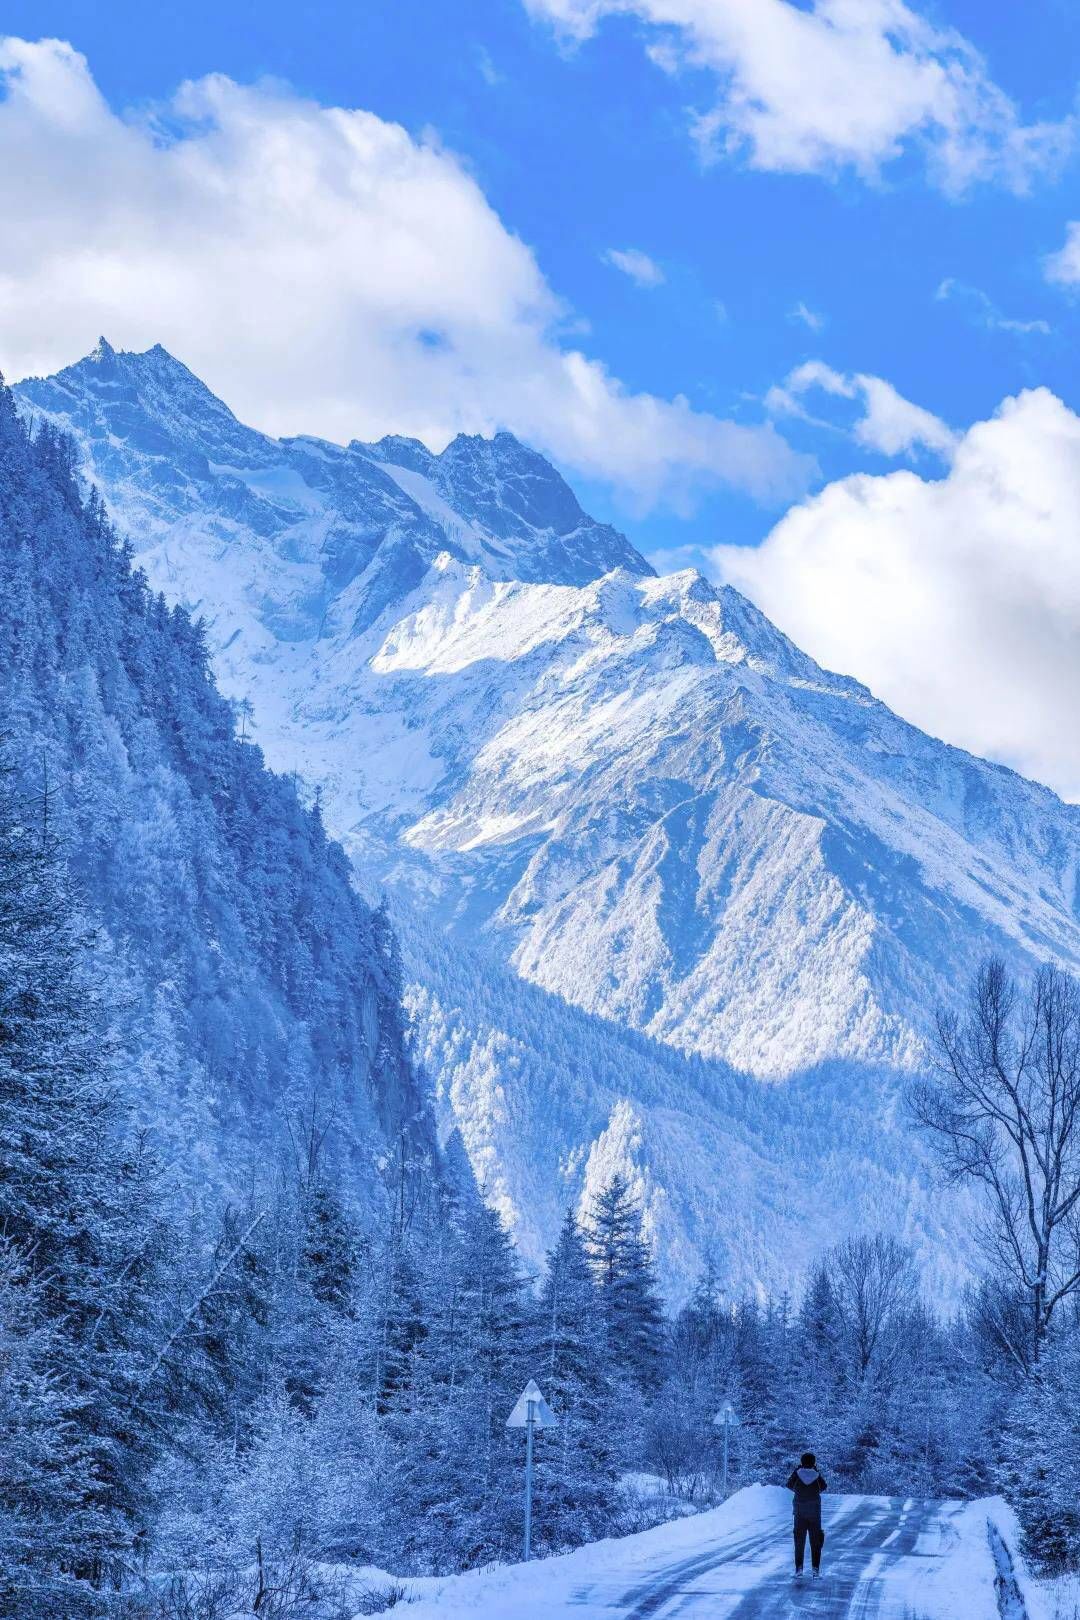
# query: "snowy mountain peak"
[[147, 401], [317, 534], [647, 764], [516, 501]]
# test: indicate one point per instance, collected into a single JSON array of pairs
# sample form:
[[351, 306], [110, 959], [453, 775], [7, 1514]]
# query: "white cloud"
[[889, 423], [894, 426], [323, 271], [956, 600], [982, 311], [1064, 266], [485, 64], [637, 265], [807, 317], [835, 84]]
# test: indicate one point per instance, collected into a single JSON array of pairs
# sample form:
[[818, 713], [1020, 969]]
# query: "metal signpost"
[[531, 1412], [726, 1419]]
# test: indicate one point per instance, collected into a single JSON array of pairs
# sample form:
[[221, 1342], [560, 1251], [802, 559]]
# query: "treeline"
[[894, 1400]]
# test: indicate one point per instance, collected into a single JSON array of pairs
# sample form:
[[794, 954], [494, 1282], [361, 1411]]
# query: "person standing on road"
[[807, 1484]]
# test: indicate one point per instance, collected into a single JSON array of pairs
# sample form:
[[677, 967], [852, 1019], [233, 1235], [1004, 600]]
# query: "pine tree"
[[38, 1423], [329, 1249], [1037, 1456], [624, 1268], [452, 1497], [819, 1366], [576, 1466]]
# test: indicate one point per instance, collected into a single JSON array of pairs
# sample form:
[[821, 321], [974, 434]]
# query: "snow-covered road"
[[877, 1549], [885, 1559]]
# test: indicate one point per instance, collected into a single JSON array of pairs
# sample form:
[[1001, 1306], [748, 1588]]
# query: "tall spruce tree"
[[452, 1493], [625, 1271], [576, 1463]]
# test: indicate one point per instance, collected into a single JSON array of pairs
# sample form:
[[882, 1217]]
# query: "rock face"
[[306, 528], [633, 791]]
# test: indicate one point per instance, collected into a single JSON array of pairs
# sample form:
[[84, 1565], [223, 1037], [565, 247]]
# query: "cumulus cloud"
[[637, 265], [889, 424], [324, 271], [957, 600], [1064, 266], [835, 84]]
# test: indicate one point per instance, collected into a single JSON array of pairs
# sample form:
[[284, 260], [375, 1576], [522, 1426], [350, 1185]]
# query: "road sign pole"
[[726, 1419], [530, 1424], [531, 1412]]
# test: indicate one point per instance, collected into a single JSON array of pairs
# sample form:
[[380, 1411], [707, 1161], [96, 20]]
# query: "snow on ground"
[[885, 1559], [1061, 1598]]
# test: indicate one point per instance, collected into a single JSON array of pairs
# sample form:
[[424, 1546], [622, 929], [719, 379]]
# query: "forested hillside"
[[254, 992], [551, 1102]]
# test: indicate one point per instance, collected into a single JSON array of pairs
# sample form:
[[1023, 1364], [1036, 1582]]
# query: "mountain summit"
[[636, 791], [313, 530]]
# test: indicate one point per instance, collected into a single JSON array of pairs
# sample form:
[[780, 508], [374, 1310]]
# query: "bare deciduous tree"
[[1003, 1109], [874, 1281]]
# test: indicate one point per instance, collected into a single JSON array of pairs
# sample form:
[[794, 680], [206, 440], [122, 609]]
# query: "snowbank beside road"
[[538, 1591]]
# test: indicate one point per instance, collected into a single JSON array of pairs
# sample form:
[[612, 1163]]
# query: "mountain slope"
[[550, 1102], [651, 803], [253, 989]]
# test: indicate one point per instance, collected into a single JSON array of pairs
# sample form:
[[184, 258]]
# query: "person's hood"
[[807, 1475]]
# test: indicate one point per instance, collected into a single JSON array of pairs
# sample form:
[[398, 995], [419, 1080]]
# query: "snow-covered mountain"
[[634, 791], [325, 532]]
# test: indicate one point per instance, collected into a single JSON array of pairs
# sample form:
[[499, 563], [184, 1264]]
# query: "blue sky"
[[901, 174], [584, 148]]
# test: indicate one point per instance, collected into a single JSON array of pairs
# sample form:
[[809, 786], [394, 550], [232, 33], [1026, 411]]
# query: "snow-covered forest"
[[253, 1321]]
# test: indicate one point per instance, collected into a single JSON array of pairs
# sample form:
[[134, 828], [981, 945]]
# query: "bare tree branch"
[[1002, 1107]]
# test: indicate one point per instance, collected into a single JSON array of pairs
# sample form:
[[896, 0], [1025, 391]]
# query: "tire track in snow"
[[865, 1542], [647, 1598]]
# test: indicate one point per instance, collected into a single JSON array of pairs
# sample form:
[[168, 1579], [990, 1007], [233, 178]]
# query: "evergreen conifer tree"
[[625, 1271], [576, 1465], [77, 1211]]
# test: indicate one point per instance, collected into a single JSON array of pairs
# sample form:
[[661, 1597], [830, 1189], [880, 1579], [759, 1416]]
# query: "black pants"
[[811, 1527]]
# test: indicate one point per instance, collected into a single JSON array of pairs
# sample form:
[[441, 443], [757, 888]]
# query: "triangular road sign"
[[531, 1404], [725, 1418]]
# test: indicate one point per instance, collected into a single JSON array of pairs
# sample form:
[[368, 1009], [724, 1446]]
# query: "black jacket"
[[807, 1485]]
